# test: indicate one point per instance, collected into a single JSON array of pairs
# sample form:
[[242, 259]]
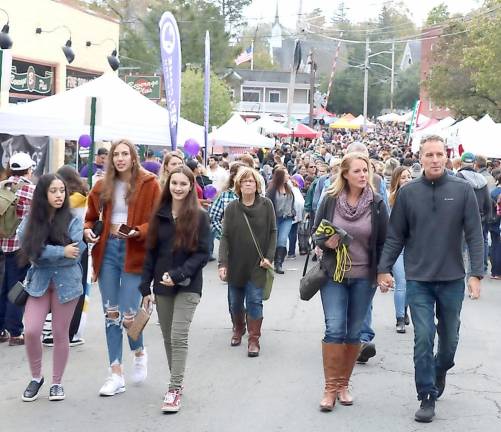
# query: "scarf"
[[346, 211]]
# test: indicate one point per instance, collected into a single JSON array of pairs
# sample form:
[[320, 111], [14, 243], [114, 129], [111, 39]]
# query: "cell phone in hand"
[[124, 229]]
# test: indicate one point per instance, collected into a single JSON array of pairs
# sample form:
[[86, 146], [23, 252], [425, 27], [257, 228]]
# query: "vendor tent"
[[359, 121], [236, 133], [122, 112], [265, 124], [302, 131], [439, 128], [391, 118], [486, 120], [343, 124]]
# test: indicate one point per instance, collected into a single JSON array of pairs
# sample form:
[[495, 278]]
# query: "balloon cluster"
[[191, 147], [84, 141]]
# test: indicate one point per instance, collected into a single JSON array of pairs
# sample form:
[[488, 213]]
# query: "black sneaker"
[[48, 341], [76, 341], [440, 384], [56, 392], [400, 325], [406, 318], [31, 392], [426, 412], [367, 351]]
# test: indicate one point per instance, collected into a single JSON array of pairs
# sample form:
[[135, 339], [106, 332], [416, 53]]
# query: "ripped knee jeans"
[[121, 299]]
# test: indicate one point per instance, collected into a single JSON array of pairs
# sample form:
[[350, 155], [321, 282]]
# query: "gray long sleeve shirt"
[[428, 219]]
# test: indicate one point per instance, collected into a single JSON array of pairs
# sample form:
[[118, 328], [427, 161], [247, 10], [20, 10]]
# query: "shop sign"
[[148, 86], [75, 78], [31, 79]]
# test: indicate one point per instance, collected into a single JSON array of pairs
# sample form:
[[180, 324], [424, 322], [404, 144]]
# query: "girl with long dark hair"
[[280, 194], [51, 240], [177, 251], [124, 201]]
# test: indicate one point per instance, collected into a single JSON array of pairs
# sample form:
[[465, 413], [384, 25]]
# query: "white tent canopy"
[[122, 113], [390, 118], [267, 125], [236, 133], [439, 128], [359, 121], [486, 120]]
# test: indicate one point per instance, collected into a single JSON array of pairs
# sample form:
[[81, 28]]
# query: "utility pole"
[[366, 81], [252, 54], [392, 84], [313, 69]]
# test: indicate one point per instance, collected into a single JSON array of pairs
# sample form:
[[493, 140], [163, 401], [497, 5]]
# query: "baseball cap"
[[21, 161], [468, 157]]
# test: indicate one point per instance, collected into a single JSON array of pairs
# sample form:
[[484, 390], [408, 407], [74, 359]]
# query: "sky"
[[357, 10]]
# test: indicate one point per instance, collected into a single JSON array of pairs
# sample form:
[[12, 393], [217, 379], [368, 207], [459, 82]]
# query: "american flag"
[[245, 56]]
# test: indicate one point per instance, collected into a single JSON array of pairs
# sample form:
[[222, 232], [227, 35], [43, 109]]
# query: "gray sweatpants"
[[175, 314]]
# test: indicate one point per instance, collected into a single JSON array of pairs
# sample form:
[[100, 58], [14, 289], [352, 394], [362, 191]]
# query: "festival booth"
[[359, 122], [391, 118], [266, 125], [482, 138], [302, 131], [434, 128], [344, 124], [236, 136], [122, 112]]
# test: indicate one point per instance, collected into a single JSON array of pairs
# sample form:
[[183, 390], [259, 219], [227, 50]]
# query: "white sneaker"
[[140, 368], [113, 385]]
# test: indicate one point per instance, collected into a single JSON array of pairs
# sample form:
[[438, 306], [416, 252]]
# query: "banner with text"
[[148, 86]]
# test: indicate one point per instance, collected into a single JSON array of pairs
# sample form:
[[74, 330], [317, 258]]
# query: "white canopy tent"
[[391, 118], [439, 128], [236, 133], [482, 138], [486, 120], [359, 121], [265, 124], [122, 113]]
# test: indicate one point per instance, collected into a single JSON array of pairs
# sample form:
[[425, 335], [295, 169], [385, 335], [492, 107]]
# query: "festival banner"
[[170, 48], [206, 93]]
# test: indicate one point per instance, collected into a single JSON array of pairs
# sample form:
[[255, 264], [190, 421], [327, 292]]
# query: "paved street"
[[226, 392]]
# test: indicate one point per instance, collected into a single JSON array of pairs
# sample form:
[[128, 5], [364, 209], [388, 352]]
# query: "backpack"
[[9, 221]]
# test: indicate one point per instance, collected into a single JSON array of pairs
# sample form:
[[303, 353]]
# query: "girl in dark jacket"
[[352, 205], [177, 251]]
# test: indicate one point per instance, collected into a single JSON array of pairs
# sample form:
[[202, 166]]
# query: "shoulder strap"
[[253, 238]]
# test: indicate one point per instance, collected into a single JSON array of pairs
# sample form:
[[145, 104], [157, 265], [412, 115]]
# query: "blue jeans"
[[345, 308], [367, 333], [121, 298], [284, 226], [495, 251], [293, 238], [400, 284], [251, 295], [424, 298], [11, 316]]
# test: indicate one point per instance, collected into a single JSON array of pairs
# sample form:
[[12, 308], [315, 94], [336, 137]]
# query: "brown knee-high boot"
[[351, 353], [332, 355], [238, 328], [254, 327]]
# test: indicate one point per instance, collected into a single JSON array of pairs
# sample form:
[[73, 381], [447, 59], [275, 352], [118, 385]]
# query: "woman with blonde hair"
[[350, 205], [123, 201], [249, 218], [401, 176], [171, 160]]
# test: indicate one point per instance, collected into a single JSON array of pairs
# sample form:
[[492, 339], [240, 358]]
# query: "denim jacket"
[[52, 265]]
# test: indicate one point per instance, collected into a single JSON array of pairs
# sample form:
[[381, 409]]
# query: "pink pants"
[[35, 313]]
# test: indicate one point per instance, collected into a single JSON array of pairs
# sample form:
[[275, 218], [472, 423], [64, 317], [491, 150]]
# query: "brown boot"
[[332, 358], [350, 357], [254, 327], [238, 328]]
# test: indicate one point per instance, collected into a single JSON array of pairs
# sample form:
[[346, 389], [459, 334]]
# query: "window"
[[249, 95], [274, 96]]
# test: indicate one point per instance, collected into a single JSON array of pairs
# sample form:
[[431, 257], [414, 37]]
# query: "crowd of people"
[[415, 223]]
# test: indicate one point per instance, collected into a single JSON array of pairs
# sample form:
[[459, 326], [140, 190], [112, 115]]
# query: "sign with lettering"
[[33, 79], [75, 78], [148, 86]]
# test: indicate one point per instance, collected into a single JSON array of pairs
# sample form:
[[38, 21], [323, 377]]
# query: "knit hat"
[[468, 158]]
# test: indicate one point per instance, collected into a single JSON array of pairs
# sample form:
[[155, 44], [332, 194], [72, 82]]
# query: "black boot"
[[279, 259], [426, 412]]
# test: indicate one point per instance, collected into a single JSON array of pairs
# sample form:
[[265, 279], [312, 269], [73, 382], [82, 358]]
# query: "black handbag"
[[18, 295], [313, 280]]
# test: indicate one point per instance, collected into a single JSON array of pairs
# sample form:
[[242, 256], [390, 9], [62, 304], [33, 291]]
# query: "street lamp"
[[5, 40], [112, 58], [67, 50]]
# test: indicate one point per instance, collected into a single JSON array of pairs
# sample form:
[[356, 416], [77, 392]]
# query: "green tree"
[[407, 87], [232, 12], [464, 75], [438, 15], [192, 98]]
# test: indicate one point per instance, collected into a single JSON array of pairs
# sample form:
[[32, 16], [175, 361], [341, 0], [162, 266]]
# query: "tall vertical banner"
[[206, 94], [170, 48], [414, 120]]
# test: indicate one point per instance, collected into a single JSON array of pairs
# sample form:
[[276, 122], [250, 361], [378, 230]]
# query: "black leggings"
[[77, 315]]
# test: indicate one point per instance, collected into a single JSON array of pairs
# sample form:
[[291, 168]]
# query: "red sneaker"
[[172, 401]]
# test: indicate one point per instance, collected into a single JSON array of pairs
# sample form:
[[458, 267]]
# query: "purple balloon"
[[84, 141], [299, 180], [210, 192], [191, 147]]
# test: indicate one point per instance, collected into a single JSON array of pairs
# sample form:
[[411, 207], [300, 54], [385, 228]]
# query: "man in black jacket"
[[428, 220]]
